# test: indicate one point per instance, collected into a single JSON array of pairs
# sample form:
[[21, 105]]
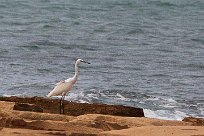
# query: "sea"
[[143, 53]]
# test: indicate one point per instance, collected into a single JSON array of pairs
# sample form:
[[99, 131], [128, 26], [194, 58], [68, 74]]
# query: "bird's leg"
[[61, 104]]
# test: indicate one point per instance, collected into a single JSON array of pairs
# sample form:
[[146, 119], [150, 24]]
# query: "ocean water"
[[143, 53]]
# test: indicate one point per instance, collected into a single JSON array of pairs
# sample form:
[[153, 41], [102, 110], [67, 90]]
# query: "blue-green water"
[[144, 53]]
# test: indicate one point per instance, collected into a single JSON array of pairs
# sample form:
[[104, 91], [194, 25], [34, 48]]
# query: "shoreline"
[[39, 116]]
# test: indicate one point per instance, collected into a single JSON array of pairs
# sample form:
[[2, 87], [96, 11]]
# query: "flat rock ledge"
[[40, 117], [40, 104]]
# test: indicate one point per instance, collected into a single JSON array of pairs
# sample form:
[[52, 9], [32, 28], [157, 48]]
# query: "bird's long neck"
[[76, 71]]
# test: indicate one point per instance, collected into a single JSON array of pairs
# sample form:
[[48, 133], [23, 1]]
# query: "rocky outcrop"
[[71, 108], [27, 107], [195, 121]]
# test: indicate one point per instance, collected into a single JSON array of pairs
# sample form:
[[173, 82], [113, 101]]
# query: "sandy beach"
[[17, 120]]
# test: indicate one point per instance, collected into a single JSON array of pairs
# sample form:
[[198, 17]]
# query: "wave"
[[165, 114], [19, 95], [154, 107], [195, 66], [198, 40], [176, 3], [162, 3], [3, 52], [166, 108], [36, 45], [31, 47]]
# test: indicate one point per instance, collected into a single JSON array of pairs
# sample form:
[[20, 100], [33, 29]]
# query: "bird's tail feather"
[[50, 94]]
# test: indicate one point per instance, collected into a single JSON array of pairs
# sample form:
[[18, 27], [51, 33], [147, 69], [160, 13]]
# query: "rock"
[[195, 121], [76, 109], [29, 132], [107, 126], [27, 107], [18, 123], [12, 122], [81, 134], [42, 116]]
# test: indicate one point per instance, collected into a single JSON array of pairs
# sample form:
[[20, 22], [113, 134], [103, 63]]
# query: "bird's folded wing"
[[60, 82]]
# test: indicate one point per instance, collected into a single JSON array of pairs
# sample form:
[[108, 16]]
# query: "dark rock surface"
[[72, 108], [195, 121], [27, 107]]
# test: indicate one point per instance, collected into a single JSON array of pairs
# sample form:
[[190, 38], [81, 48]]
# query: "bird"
[[64, 86]]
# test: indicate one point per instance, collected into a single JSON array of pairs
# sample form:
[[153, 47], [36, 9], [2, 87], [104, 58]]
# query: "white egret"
[[65, 86]]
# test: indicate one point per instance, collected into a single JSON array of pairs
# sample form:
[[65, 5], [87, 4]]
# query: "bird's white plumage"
[[62, 87], [65, 86]]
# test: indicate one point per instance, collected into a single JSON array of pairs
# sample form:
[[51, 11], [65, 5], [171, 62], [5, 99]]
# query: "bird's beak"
[[86, 62]]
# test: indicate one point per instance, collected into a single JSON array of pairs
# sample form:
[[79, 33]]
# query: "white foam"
[[153, 99], [168, 106], [9, 95], [120, 97], [164, 114], [171, 100], [82, 101], [91, 95], [75, 96], [202, 111], [180, 115]]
